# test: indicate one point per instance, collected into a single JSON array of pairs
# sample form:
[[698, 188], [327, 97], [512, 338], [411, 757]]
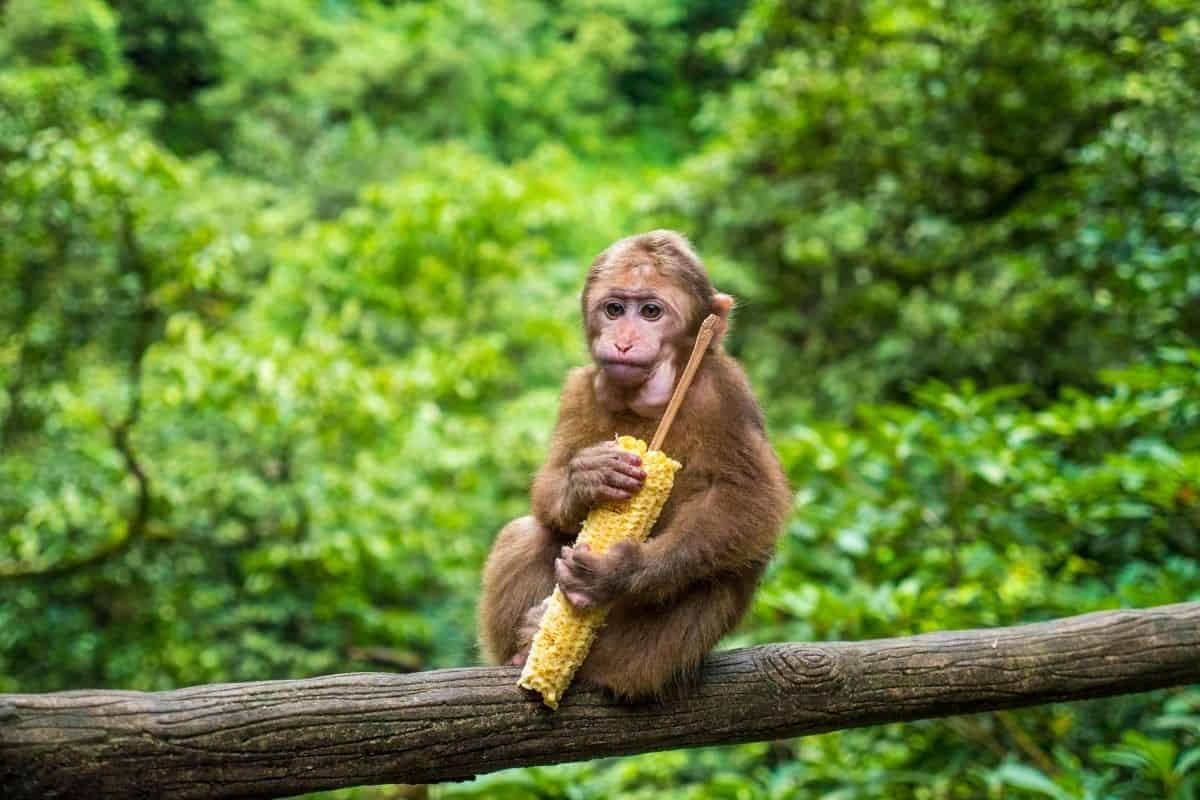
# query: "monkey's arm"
[[584, 466], [564, 495], [553, 504], [727, 528]]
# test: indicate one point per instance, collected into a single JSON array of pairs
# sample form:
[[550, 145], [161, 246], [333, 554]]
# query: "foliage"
[[917, 192], [287, 290]]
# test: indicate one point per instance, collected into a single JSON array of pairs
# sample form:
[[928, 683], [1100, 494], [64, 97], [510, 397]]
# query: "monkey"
[[673, 597]]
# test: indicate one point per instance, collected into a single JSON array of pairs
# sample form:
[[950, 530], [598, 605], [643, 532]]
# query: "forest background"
[[288, 288]]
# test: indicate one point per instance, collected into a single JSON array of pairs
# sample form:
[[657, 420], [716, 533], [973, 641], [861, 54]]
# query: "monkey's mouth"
[[626, 372]]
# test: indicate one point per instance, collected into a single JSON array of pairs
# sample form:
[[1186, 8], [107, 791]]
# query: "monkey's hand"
[[589, 579], [603, 472]]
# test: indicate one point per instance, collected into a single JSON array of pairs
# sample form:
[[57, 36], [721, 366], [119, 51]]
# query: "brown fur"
[[679, 593], [669, 254]]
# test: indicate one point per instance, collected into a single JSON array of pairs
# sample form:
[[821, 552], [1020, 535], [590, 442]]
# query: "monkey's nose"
[[624, 348]]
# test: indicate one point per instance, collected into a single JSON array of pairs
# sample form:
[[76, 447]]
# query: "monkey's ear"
[[722, 306]]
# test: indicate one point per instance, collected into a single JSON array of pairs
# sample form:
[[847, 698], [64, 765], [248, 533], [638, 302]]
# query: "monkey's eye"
[[614, 310], [652, 311]]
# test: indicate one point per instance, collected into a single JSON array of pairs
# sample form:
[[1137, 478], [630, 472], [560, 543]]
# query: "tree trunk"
[[286, 737]]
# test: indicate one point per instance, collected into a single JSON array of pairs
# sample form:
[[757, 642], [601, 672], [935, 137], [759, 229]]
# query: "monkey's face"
[[635, 319]]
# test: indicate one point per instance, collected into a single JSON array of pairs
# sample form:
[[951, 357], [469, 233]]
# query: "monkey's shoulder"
[[578, 392], [582, 420], [723, 392]]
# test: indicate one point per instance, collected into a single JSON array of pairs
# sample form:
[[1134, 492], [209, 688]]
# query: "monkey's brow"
[[625, 295]]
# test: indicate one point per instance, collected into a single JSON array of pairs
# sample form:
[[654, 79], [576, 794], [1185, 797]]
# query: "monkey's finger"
[[630, 458], [577, 563], [580, 600], [607, 492], [581, 566], [566, 579], [573, 588], [619, 454], [603, 450], [631, 470], [596, 463], [619, 480], [612, 452]]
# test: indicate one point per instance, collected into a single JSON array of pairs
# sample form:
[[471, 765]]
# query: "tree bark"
[[279, 738]]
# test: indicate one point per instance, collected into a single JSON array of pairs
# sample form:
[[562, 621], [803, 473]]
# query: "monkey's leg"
[[642, 651], [519, 574]]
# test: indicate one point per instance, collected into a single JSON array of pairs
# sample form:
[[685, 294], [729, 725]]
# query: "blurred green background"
[[288, 288]]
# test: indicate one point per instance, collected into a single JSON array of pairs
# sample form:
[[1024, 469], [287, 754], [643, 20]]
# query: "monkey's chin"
[[626, 374]]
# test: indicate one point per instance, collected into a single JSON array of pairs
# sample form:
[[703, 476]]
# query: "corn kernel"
[[566, 634]]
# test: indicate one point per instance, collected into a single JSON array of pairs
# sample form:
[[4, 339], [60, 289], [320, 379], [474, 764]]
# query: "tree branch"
[[145, 318], [285, 737]]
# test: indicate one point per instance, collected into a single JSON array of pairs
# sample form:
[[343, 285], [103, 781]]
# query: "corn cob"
[[566, 633]]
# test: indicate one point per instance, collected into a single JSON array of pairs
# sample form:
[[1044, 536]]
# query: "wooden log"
[[278, 738]]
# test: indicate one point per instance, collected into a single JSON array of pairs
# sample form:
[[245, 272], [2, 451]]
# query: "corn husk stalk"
[[566, 633]]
